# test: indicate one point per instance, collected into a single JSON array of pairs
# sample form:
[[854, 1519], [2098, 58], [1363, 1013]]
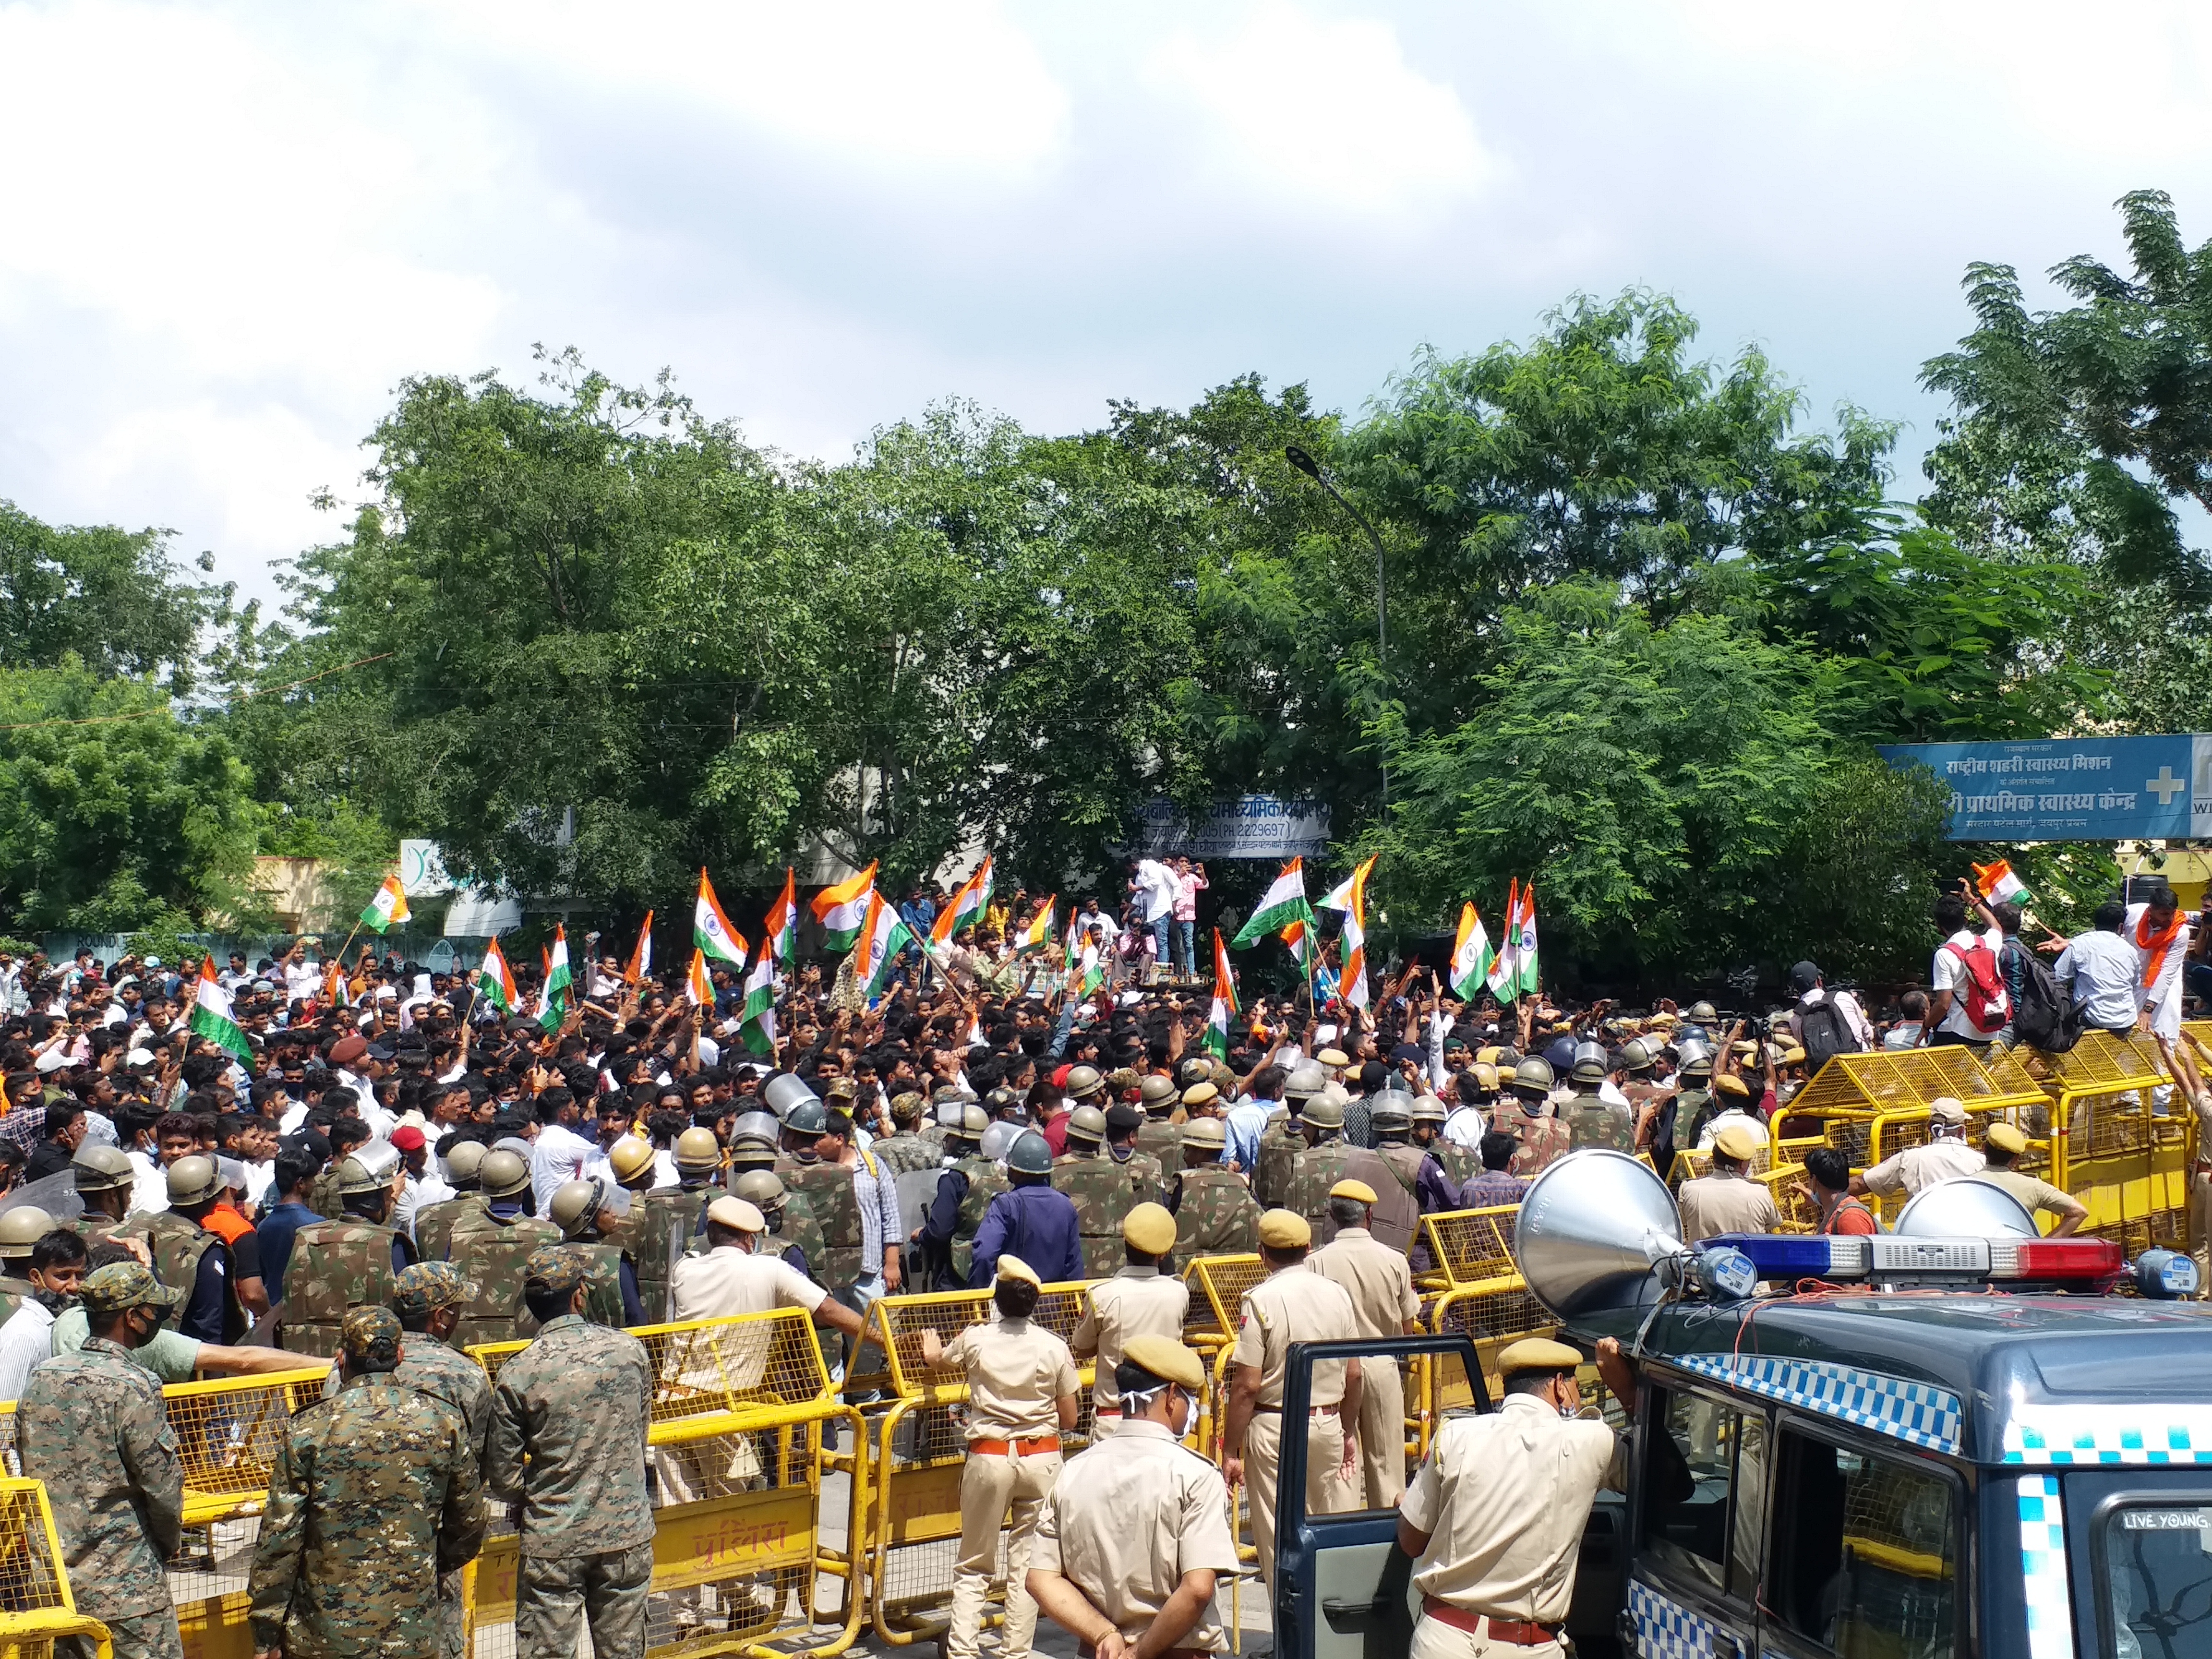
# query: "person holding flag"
[[966, 906], [1038, 933], [553, 1007], [757, 1018], [1351, 898], [639, 969], [1216, 1039], [495, 982]]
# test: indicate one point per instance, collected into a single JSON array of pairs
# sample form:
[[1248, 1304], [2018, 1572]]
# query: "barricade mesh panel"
[[1472, 1245], [1224, 1280], [31, 1579]]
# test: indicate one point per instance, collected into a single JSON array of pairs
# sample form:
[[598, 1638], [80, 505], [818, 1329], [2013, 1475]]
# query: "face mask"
[[53, 1301], [1188, 1418]]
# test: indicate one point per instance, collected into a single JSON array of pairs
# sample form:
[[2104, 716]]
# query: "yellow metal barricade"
[[906, 1538], [36, 1606], [742, 1412], [1472, 1246], [1786, 1186], [1849, 1092], [1492, 1314], [2110, 1147]]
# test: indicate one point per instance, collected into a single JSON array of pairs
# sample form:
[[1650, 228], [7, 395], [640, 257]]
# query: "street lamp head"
[[1304, 463]]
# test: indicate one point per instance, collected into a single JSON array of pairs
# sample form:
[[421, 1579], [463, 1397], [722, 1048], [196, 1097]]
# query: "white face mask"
[[1188, 1418]]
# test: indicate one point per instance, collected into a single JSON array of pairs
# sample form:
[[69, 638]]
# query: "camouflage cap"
[[122, 1284], [428, 1286], [371, 1336], [553, 1267]]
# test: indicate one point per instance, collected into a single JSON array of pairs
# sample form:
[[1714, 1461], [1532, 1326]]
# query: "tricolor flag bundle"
[[211, 1016], [698, 990], [1353, 948], [1283, 903], [881, 936], [558, 980], [640, 958], [1087, 971], [390, 905], [1472, 956], [966, 905], [1515, 974], [710, 929], [1216, 1039], [756, 1020], [1037, 936], [1997, 884], [337, 993], [840, 910], [495, 981], [1304, 941]]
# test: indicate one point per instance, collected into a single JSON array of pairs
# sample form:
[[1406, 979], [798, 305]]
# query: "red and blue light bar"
[[1898, 1257]]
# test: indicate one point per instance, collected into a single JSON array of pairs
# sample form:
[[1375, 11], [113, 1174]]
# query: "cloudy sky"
[[231, 230]]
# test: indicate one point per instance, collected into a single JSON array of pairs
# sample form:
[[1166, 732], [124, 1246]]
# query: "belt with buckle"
[[1043, 1443], [1277, 1410], [1519, 1632]]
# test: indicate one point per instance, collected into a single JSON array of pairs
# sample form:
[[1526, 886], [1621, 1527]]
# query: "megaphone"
[[784, 1091], [1966, 1207], [1591, 1229]]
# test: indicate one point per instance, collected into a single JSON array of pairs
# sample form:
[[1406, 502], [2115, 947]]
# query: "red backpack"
[[1984, 993]]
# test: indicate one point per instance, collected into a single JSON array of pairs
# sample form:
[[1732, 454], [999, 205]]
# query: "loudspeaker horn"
[[1590, 1228], [1967, 1207]]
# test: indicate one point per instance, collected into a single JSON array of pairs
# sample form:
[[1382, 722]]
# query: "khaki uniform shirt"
[[1295, 1305], [1917, 1167], [1017, 1372], [1129, 1518], [726, 1281], [1377, 1278], [1715, 1204], [1135, 1302], [2033, 1191], [1504, 1497]]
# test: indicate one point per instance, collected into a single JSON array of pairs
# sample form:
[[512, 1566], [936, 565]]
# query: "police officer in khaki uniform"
[[1380, 1282], [2001, 1145], [1139, 1299], [1022, 1396], [1727, 1201], [1292, 1304], [1135, 1539], [1494, 1518]]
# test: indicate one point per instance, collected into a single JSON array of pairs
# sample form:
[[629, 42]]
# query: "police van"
[[1961, 1440]]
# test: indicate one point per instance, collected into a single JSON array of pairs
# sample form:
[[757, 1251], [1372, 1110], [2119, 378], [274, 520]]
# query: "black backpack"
[[1823, 1033], [2044, 1017]]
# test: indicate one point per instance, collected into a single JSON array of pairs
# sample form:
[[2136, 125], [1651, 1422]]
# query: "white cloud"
[[1323, 114]]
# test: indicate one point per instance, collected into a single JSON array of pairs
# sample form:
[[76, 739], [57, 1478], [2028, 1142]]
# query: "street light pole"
[[1306, 464]]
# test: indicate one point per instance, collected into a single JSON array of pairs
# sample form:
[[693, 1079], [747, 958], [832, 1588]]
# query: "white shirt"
[[1905, 1034], [2163, 999], [149, 1192], [1155, 890], [428, 1188], [2105, 972], [25, 1340], [301, 979], [558, 1155], [1463, 1127], [727, 1281], [1949, 973], [1846, 1005], [1917, 1168]]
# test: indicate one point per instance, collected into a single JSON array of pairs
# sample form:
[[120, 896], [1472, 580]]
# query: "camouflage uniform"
[[1592, 1121], [1103, 1194], [491, 1253], [802, 1231], [435, 1224], [91, 1426], [603, 1277], [1693, 1110], [429, 1367], [1147, 1179], [1279, 1145], [568, 1421], [905, 1151], [1161, 1141], [827, 1189], [986, 1181], [13, 1293], [175, 1243], [659, 1225], [1461, 1163], [1215, 1214], [1321, 1167], [323, 1191], [1543, 1140], [371, 1495], [336, 1265]]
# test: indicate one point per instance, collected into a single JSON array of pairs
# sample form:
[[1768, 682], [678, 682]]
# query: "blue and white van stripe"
[[1917, 1414], [2043, 1569]]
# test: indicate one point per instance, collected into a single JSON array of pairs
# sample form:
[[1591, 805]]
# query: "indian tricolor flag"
[[211, 1016], [496, 980], [558, 980], [337, 993], [1472, 956], [1037, 936], [1283, 903], [1088, 971], [1216, 1039], [966, 906], [1353, 944], [640, 958], [840, 910], [698, 990], [1997, 884], [1504, 977], [710, 929], [756, 1020], [390, 905], [1527, 980], [882, 935]]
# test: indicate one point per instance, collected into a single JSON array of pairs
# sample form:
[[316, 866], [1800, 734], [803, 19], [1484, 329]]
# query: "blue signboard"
[[2072, 788]]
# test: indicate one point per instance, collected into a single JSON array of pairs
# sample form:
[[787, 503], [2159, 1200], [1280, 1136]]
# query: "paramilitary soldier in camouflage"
[[1148, 1179], [906, 1149], [1215, 1212], [578, 1209], [1160, 1138], [827, 1189], [1100, 1189], [371, 1495], [490, 1247], [951, 1220], [1391, 1114], [753, 1150], [1543, 1137], [1592, 1120], [105, 1178], [427, 1301], [435, 1223], [91, 1426], [1328, 1159], [19, 1228], [660, 1224], [568, 1421], [1282, 1141], [339, 1265]]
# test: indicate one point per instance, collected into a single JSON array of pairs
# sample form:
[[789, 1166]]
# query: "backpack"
[[1983, 990], [1823, 1033], [2046, 1019]]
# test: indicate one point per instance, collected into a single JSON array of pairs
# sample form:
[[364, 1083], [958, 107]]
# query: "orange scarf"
[[2157, 946]]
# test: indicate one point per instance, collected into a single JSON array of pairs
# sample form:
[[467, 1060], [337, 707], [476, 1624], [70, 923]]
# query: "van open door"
[[1341, 1591]]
